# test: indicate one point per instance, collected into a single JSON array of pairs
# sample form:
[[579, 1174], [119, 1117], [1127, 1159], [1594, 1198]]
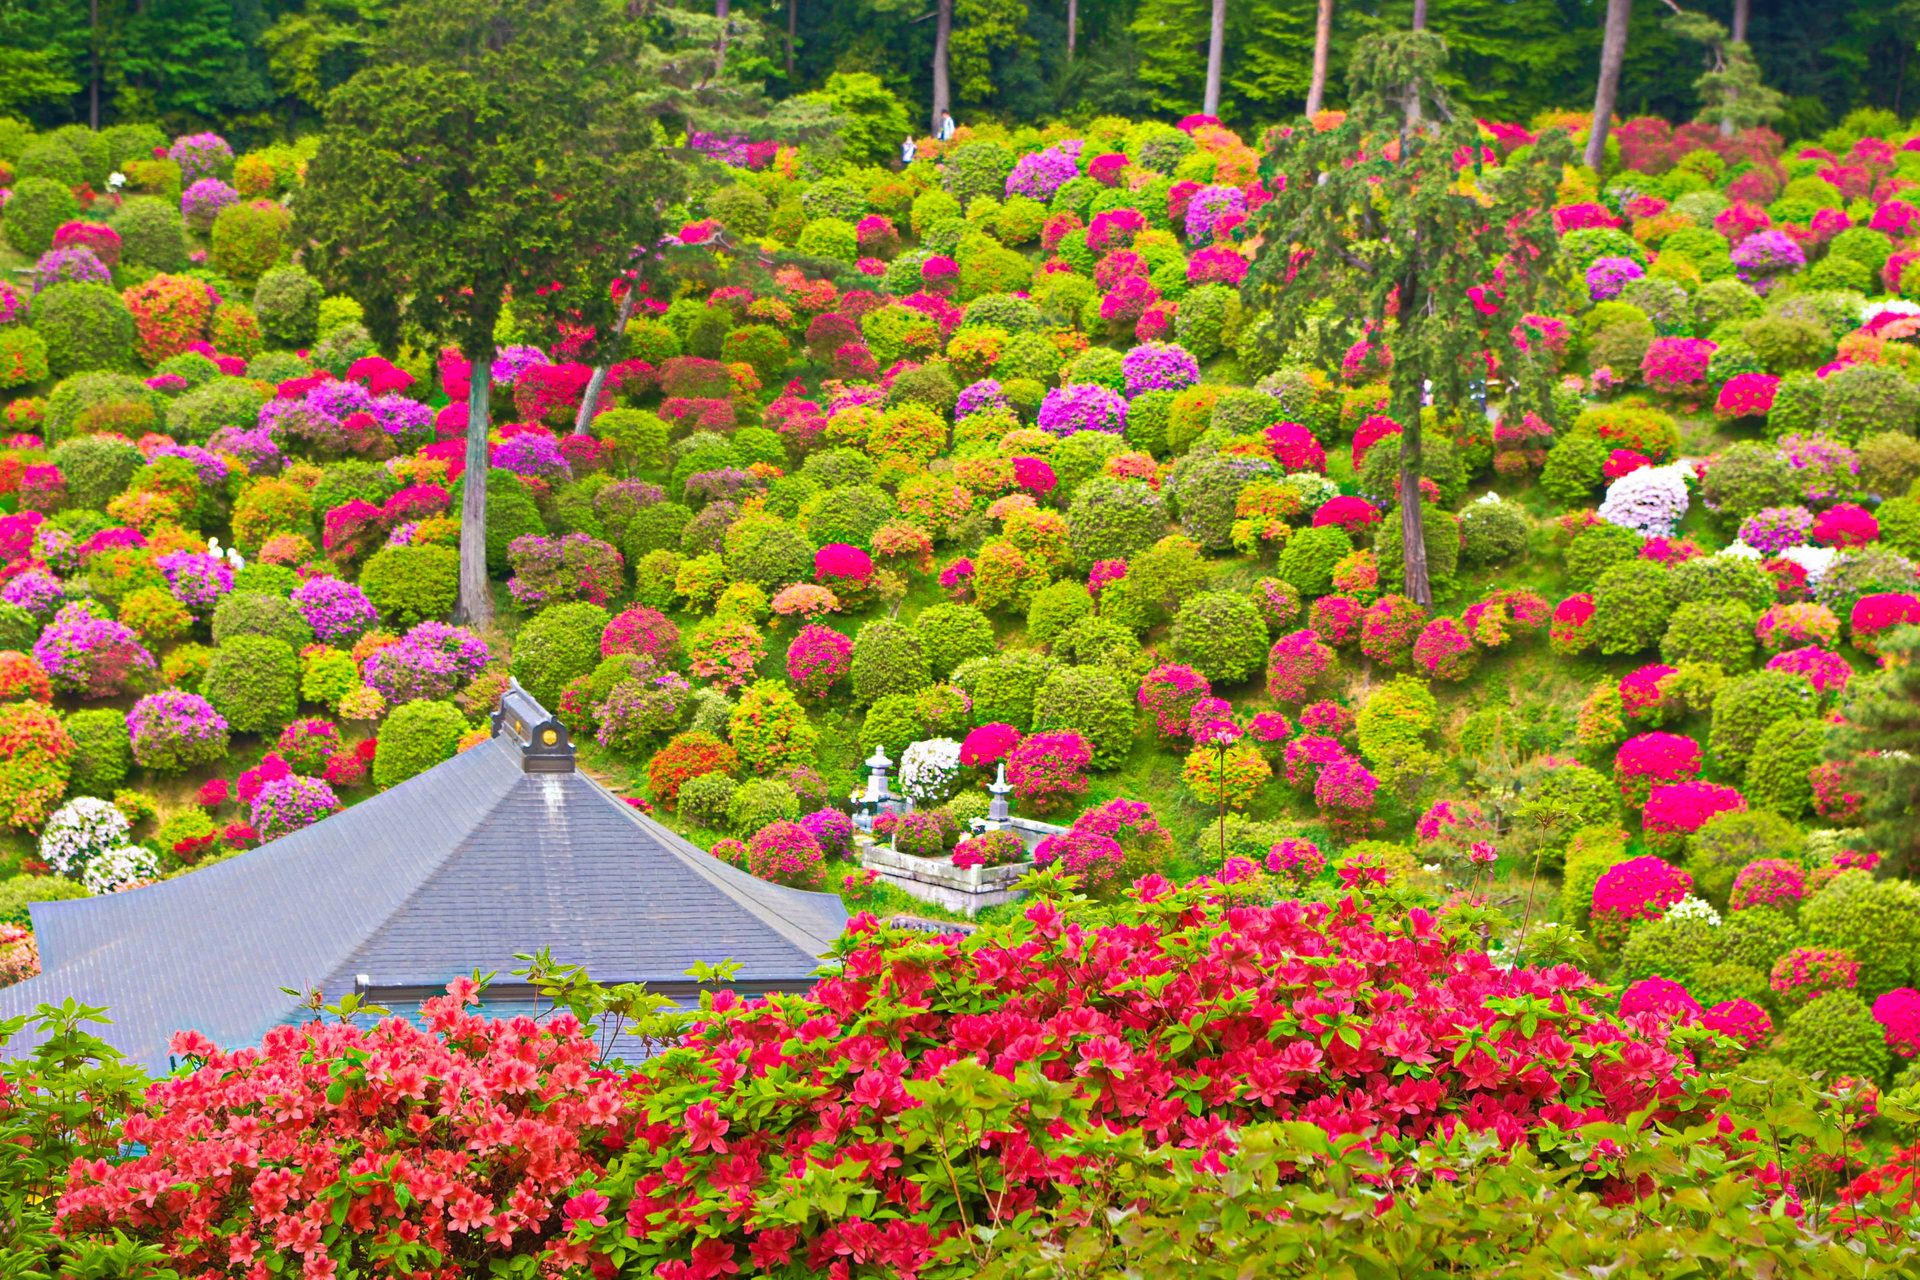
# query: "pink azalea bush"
[[1638, 889], [1652, 759], [1676, 810]]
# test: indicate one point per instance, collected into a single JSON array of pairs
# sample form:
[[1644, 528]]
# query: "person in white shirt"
[[946, 125], [907, 150]]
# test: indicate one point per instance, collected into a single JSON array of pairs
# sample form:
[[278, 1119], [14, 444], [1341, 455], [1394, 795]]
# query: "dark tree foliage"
[[1391, 228], [491, 148], [1878, 744]]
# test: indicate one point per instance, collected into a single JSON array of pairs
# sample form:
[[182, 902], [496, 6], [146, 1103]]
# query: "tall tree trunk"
[[1742, 10], [475, 608], [720, 11], [93, 80], [1407, 405], [1613, 52], [1216, 56], [1322, 39], [1419, 15], [599, 379], [1073, 26], [793, 26], [942, 36]]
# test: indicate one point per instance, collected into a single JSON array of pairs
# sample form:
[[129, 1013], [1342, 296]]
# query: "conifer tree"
[[1878, 744], [1396, 227]]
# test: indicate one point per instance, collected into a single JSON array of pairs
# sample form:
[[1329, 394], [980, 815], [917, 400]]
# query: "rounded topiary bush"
[[1055, 608], [221, 403], [249, 238], [1719, 631], [287, 304], [254, 683], [102, 752], [1493, 532], [1112, 519], [704, 799], [1837, 1035], [1094, 702], [557, 645], [1723, 578], [255, 613], [1877, 922], [412, 584], [1631, 604], [85, 326], [1779, 774], [1222, 634], [1309, 557], [152, 234], [35, 211], [96, 468], [1439, 530], [1003, 687], [888, 658], [1744, 708], [416, 737], [1730, 840], [950, 634], [1859, 399]]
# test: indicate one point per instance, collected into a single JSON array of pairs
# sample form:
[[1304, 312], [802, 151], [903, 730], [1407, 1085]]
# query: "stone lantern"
[[878, 798], [998, 810]]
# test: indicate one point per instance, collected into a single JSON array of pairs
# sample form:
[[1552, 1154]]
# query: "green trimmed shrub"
[[417, 736], [102, 752], [223, 402], [35, 211], [704, 799], [1093, 702], [1204, 489], [151, 234], [343, 482], [1778, 774], [1787, 342], [1631, 605], [47, 158], [23, 357], [741, 209], [248, 238], [255, 613], [96, 468], [1667, 949], [1112, 519], [18, 892], [888, 658], [1724, 301], [1756, 937], [1744, 708], [1308, 559], [1222, 635], [1493, 532], [655, 528], [1728, 841], [1889, 463], [950, 634], [1747, 478], [1719, 631], [1837, 1035], [1730, 578], [1572, 474], [1003, 687], [849, 515], [758, 802], [1859, 399], [412, 584], [1590, 851], [1877, 922], [770, 556], [254, 682], [287, 304], [1597, 549], [557, 645], [85, 326], [1055, 608]]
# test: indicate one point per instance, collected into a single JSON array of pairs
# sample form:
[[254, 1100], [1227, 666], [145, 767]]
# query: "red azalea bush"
[[1746, 395], [461, 1139], [1677, 810], [843, 565], [1844, 526], [1344, 793], [817, 658], [1899, 1012], [1638, 889], [1651, 759], [644, 632], [1875, 615], [1571, 632], [1640, 696], [1833, 797], [1294, 664], [988, 745], [1373, 429], [785, 853], [1169, 692], [1659, 995], [1349, 513], [1677, 367], [1336, 619], [1768, 882], [1294, 447], [1388, 629], [1048, 768]]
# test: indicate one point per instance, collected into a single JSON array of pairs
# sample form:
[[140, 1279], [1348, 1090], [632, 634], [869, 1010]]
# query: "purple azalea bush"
[[335, 610], [532, 454], [1039, 174], [1159, 366], [74, 264], [1609, 275], [200, 155], [197, 580], [429, 663], [287, 804], [1207, 207], [91, 656], [1765, 256], [202, 202], [1083, 406], [984, 396], [36, 592], [175, 730]]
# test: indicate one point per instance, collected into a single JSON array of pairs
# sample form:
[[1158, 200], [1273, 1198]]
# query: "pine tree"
[[1731, 94], [1878, 744], [1391, 227]]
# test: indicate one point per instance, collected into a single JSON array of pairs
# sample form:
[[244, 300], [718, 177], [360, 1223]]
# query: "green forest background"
[[258, 70]]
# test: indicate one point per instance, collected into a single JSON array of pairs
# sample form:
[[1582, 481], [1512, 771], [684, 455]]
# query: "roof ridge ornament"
[[545, 744]]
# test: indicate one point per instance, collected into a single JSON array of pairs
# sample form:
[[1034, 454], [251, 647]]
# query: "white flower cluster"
[[1899, 306], [1650, 501], [1313, 489], [79, 832], [928, 770], [1815, 560], [120, 868], [1692, 908]]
